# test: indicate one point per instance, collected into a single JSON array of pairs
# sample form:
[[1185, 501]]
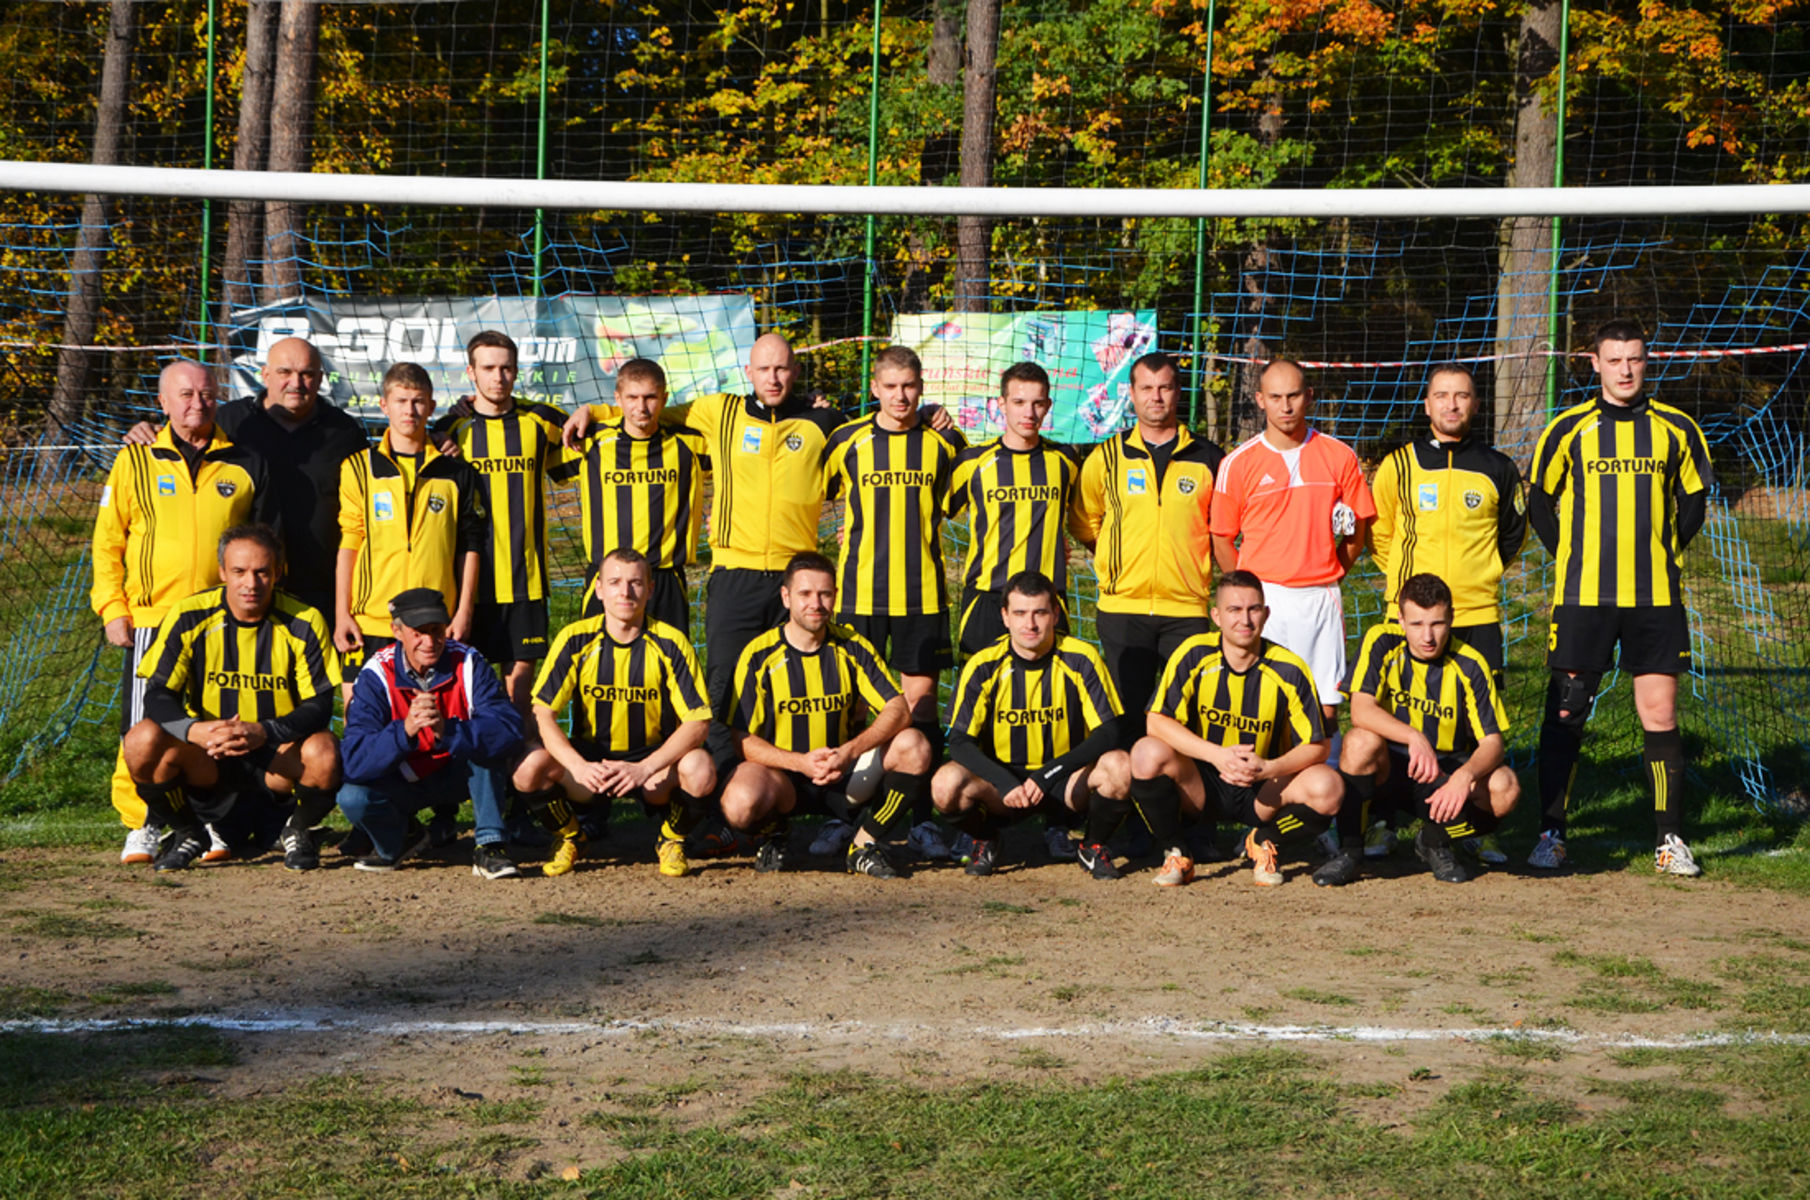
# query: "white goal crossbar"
[[598, 196]]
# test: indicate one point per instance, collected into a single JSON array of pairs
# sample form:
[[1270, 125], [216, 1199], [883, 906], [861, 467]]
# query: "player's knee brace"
[[1569, 698]]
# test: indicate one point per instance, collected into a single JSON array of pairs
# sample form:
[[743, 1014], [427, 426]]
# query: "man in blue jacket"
[[428, 723]]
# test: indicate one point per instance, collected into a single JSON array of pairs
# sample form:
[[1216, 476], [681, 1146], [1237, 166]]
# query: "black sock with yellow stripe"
[[890, 811], [311, 806], [1560, 748], [683, 812], [1665, 771], [1470, 822], [1298, 821], [551, 808], [1159, 802], [157, 799]]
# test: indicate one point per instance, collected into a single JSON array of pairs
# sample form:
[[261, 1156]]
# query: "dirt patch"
[[614, 991]]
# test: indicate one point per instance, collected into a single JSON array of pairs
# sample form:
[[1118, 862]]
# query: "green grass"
[[1617, 983], [1265, 1122]]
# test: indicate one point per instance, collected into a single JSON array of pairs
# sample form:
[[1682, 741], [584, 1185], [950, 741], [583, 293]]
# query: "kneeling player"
[[798, 690], [238, 695], [1236, 731], [1035, 727], [639, 718], [1427, 725]]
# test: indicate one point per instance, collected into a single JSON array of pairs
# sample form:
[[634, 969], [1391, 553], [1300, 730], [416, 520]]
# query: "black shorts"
[[1137, 647], [912, 643], [592, 751], [1403, 791], [1654, 640], [510, 633], [241, 778], [814, 798], [982, 622], [1487, 641], [1227, 801], [351, 663], [667, 599]]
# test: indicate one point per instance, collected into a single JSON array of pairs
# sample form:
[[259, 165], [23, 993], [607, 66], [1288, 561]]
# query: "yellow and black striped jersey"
[[157, 533], [406, 537], [1271, 706], [643, 493], [625, 696], [1629, 485], [1029, 711], [1452, 699], [1145, 515], [1019, 500], [802, 701], [892, 547], [767, 465], [1455, 509], [512, 453], [221, 667]]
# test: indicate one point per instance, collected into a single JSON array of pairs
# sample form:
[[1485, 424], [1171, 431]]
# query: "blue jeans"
[[382, 809]]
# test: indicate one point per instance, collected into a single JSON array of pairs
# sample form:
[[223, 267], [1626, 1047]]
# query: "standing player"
[[164, 507], [767, 451], [1142, 508], [511, 444], [1620, 487], [1427, 724], [1035, 722], [641, 487], [1297, 499], [801, 689], [1019, 488], [1236, 731], [238, 696], [894, 470], [409, 517], [639, 718], [1450, 504]]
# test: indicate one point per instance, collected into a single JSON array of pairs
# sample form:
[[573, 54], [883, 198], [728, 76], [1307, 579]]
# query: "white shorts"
[[1311, 622]]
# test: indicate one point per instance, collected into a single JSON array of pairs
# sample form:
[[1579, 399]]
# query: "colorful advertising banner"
[[569, 347], [1088, 356]]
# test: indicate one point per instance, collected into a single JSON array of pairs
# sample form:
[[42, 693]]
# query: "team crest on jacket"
[[226, 488], [436, 504], [794, 442], [1473, 499], [1185, 485]]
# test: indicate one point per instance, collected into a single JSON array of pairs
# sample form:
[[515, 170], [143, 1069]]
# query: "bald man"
[[167, 501], [766, 450], [302, 439]]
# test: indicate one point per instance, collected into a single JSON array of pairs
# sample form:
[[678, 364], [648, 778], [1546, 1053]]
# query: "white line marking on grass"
[[1153, 1028]]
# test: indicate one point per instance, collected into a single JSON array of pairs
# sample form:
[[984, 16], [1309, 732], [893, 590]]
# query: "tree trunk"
[[1525, 256], [1246, 421], [82, 317], [292, 93], [972, 270], [938, 158], [251, 146]]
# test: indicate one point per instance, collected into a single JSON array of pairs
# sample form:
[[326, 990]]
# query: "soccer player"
[[409, 517], [1020, 488], [1142, 508], [1450, 504], [428, 724], [767, 451], [238, 696], [1297, 499], [641, 487], [1620, 487], [1427, 723], [1035, 726], [1236, 730], [164, 507], [639, 718], [511, 444], [894, 471], [801, 689]]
